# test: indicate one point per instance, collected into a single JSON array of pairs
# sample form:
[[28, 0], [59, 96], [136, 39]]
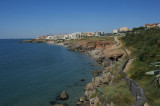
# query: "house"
[[151, 25], [89, 34], [84, 34], [158, 25], [50, 37], [123, 29], [41, 37], [76, 35], [115, 31], [99, 33]]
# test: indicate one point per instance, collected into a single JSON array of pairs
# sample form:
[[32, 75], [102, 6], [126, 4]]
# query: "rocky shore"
[[106, 53]]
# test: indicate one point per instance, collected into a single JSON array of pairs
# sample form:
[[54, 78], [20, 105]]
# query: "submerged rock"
[[96, 72], [63, 95], [92, 65], [61, 104], [82, 79], [58, 105]]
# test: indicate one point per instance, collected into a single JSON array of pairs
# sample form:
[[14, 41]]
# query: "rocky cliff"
[[106, 53]]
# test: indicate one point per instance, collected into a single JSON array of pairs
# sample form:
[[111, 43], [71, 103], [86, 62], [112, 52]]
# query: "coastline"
[[106, 53], [99, 81]]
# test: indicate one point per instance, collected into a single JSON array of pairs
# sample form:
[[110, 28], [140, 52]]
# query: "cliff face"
[[103, 51]]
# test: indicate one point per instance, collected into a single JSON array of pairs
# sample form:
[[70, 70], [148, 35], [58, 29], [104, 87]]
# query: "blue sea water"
[[33, 74]]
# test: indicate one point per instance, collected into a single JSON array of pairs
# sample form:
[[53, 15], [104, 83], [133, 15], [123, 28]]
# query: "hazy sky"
[[29, 18]]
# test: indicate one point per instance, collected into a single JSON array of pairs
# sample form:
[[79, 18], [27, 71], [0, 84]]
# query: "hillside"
[[145, 47]]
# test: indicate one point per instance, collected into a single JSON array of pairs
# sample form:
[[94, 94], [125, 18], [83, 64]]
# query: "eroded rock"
[[63, 95]]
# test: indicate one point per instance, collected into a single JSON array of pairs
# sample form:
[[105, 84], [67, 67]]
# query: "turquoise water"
[[33, 74]]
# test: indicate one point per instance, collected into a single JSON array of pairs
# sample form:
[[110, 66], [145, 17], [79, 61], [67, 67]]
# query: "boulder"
[[97, 52], [97, 81], [82, 99], [82, 79], [63, 95], [106, 78], [79, 103], [106, 63], [86, 98], [89, 86], [86, 103], [96, 72], [94, 101]]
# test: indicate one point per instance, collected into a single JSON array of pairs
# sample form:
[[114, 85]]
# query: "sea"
[[34, 74]]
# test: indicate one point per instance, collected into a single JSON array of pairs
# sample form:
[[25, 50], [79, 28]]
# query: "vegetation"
[[117, 92], [93, 38], [145, 46]]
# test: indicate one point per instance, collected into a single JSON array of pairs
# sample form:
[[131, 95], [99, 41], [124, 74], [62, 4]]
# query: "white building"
[[76, 35], [50, 37], [65, 36], [115, 31], [123, 29], [158, 25], [99, 33]]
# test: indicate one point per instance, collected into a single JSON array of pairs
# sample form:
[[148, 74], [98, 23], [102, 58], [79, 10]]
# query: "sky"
[[30, 18]]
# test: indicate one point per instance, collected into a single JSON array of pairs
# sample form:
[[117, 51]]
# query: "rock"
[[97, 81], [96, 72], [81, 99], [97, 53], [63, 95], [79, 103], [106, 63], [92, 65], [106, 78], [89, 86], [86, 103], [82, 79], [94, 101], [86, 98], [59, 105], [88, 94]]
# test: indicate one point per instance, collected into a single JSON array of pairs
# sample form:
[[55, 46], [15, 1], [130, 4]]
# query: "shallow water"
[[33, 74]]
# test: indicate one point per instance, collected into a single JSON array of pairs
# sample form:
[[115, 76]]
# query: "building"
[[99, 33], [76, 35], [123, 29], [84, 34], [151, 25], [50, 37], [115, 31], [102, 33], [89, 34], [41, 37], [158, 25]]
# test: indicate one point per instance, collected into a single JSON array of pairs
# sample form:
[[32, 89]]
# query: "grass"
[[95, 94], [118, 93], [104, 38]]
